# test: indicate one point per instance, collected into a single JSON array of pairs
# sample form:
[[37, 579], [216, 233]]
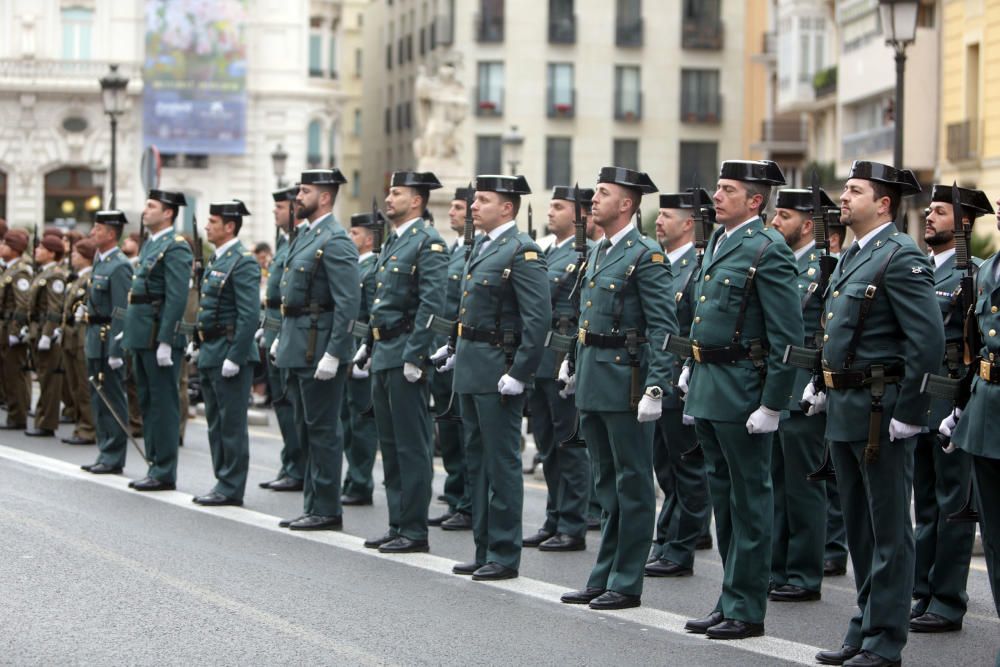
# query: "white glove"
[[682, 381], [13, 341], [411, 372], [650, 409], [23, 333], [567, 379], [273, 352], [948, 424], [687, 420], [258, 335], [44, 344], [443, 353], [362, 355], [358, 373], [163, 354], [508, 386], [763, 420], [900, 431], [57, 335], [816, 400], [114, 363], [119, 336], [191, 352], [229, 369], [80, 313], [327, 367]]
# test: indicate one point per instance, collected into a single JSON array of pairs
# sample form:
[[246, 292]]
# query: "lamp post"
[[279, 158], [513, 141], [113, 86], [899, 23]]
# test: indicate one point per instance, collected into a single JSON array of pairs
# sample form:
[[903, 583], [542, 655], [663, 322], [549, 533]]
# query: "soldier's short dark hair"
[[238, 221], [332, 189], [261, 247], [424, 194], [762, 189], [880, 190], [515, 201]]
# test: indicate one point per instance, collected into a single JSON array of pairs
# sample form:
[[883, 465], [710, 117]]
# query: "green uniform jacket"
[[730, 392], [321, 270], [523, 306], [230, 292], [562, 263], [456, 272], [45, 301], [979, 424], [412, 273], [109, 285], [163, 273], [903, 328], [808, 274], [366, 273], [16, 285], [272, 292], [604, 375], [683, 291]]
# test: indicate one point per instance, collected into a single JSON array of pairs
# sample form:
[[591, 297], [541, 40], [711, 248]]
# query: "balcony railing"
[[706, 109], [488, 28], [629, 33], [18, 71], [702, 35], [628, 113], [867, 142], [489, 103], [562, 30], [561, 108], [783, 131], [963, 141]]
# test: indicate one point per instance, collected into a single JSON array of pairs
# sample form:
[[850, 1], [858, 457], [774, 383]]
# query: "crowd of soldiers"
[[754, 372]]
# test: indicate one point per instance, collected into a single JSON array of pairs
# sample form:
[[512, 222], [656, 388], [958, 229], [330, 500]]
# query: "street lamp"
[[899, 22], [113, 86], [514, 142], [279, 158]]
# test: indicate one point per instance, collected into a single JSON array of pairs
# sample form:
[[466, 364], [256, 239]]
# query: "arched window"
[[314, 156], [71, 196]]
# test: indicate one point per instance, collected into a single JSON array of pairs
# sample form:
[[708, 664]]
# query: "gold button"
[[726, 281], [617, 358], [468, 277], [465, 293], [829, 316], [382, 269], [697, 320], [993, 332], [707, 277], [395, 269], [589, 304], [826, 337], [463, 311], [702, 299], [591, 284], [993, 309], [586, 323], [379, 285], [836, 293], [378, 300], [612, 285]]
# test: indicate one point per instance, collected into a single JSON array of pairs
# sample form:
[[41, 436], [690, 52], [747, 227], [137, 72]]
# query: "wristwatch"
[[654, 393]]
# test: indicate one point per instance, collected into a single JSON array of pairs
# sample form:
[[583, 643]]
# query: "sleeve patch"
[[656, 258], [23, 285], [58, 286], [530, 256], [437, 247]]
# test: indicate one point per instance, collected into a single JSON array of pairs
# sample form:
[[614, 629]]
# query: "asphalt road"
[[94, 573]]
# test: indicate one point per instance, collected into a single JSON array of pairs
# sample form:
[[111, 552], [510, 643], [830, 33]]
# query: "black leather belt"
[[606, 341], [394, 331], [272, 304], [838, 380], [728, 354], [490, 336], [97, 319], [301, 311], [214, 333], [138, 299], [988, 372]]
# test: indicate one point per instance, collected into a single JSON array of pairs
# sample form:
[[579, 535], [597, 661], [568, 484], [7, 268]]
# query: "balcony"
[[562, 108], [562, 30], [60, 75], [963, 141], [489, 28], [628, 111], [702, 35], [864, 144], [489, 104], [629, 33], [825, 82], [703, 109], [783, 136]]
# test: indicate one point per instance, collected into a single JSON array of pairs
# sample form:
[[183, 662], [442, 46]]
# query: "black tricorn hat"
[[686, 199], [903, 179], [753, 171], [286, 194], [168, 198], [974, 202], [463, 193], [114, 218], [367, 220], [330, 176], [567, 193], [415, 179], [505, 185], [627, 178], [802, 200], [228, 209]]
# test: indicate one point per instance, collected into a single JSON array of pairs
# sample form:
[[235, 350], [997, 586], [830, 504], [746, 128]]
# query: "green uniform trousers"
[[76, 381], [739, 479], [291, 452], [567, 469], [160, 405], [875, 499], [621, 455], [316, 405], [48, 365], [943, 549], [799, 537], [987, 475], [686, 512], [111, 439], [457, 484], [17, 384], [836, 534], [493, 456], [228, 438], [360, 438], [402, 420]]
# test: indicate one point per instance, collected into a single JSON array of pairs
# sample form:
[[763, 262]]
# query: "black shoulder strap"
[[870, 293], [745, 303]]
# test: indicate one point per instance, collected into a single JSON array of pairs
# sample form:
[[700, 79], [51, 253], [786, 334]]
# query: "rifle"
[[34, 247], [638, 221], [142, 230], [292, 227], [199, 256], [72, 276], [531, 228]]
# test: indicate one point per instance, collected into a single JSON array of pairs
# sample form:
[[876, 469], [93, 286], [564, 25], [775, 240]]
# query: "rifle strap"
[[866, 305], [748, 291]]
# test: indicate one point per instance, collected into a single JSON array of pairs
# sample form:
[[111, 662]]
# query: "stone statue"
[[441, 106]]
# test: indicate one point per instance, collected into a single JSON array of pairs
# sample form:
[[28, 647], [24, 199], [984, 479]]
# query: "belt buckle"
[[459, 330], [581, 336], [282, 310], [696, 352], [376, 334], [984, 370], [828, 379]]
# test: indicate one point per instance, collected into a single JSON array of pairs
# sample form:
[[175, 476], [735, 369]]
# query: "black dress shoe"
[[88, 466], [536, 539], [838, 656], [438, 520], [404, 545], [150, 484], [493, 572], [353, 501], [593, 523], [102, 469], [614, 600], [790, 593], [832, 568], [286, 484], [930, 622], [581, 597], [13, 427], [77, 440], [376, 542], [869, 659], [466, 568], [704, 543], [268, 483], [215, 499], [730, 628], [458, 521], [132, 484], [285, 523], [701, 625], [40, 433], [563, 542], [318, 522], [667, 568]]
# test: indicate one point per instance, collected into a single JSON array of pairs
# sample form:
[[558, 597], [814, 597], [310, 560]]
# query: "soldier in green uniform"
[[319, 303], [72, 331], [622, 373], [553, 411], [16, 284], [156, 305], [799, 539], [411, 274], [225, 350], [941, 480], [503, 319], [109, 286], [292, 460], [360, 437], [686, 511], [44, 313], [450, 437], [883, 333], [747, 313]]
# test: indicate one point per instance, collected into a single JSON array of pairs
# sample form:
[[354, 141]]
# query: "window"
[[314, 145], [388, 56], [701, 26], [315, 54], [489, 26], [561, 94], [387, 117], [626, 153], [562, 22], [701, 10], [558, 161], [488, 154], [628, 22], [357, 122], [333, 57], [489, 91], [700, 99], [70, 195], [355, 183], [77, 24], [628, 93], [357, 62], [699, 164]]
